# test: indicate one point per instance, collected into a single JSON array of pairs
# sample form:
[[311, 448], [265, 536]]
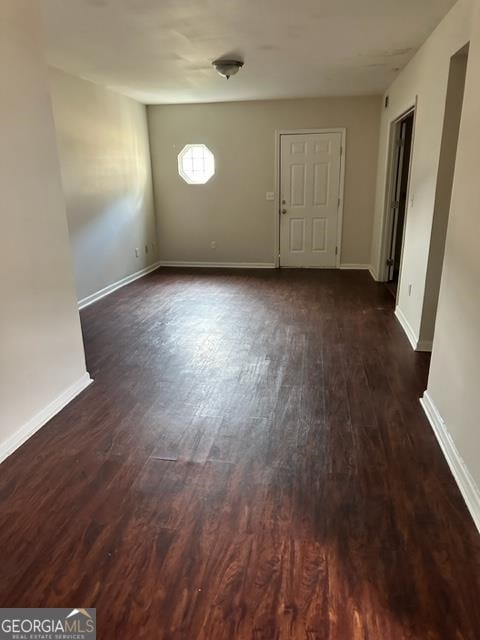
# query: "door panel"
[[297, 185], [297, 147], [309, 193], [321, 180], [297, 235], [319, 235]]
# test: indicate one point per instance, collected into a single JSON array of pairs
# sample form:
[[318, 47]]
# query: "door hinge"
[[341, 151], [338, 203], [389, 262], [395, 204], [336, 250]]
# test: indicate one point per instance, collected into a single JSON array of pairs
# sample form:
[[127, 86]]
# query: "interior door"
[[309, 199]]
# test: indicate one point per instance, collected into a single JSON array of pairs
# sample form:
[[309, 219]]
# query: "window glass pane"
[[196, 164]]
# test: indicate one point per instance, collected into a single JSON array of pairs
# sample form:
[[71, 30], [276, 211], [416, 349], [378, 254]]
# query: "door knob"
[[284, 211]]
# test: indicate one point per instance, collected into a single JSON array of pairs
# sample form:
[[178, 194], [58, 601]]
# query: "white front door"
[[309, 198]]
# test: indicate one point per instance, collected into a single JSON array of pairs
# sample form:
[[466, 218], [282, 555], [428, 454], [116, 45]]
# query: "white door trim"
[[276, 213]]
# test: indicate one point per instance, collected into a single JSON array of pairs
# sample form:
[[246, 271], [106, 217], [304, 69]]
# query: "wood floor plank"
[[251, 462]]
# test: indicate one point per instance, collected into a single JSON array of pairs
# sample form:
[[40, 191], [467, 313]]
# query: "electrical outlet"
[[213, 244], [270, 195]]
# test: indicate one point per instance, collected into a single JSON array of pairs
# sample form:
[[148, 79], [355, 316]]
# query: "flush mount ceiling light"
[[227, 67]]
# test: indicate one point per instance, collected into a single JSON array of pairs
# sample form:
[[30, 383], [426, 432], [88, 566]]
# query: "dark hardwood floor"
[[392, 289], [252, 462]]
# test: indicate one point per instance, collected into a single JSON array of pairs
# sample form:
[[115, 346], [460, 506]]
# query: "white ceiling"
[[159, 51]]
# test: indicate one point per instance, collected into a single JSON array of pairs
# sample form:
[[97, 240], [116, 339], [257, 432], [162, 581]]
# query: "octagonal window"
[[196, 163]]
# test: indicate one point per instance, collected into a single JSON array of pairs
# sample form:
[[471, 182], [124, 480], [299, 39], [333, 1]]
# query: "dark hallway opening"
[[401, 169]]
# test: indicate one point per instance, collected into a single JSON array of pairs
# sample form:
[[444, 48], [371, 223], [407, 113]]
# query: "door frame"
[[341, 188], [383, 272]]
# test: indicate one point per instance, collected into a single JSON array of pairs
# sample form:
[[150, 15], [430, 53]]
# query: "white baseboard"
[[410, 333], [418, 345], [218, 265], [373, 273], [348, 266], [42, 417], [463, 478], [88, 300]]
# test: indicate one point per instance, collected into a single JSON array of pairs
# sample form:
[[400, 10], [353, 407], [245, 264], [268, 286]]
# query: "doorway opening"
[[400, 177], [443, 193]]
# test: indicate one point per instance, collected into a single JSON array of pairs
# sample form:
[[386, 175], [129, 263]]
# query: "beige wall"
[[41, 351], [231, 209], [424, 79], [105, 161], [454, 381]]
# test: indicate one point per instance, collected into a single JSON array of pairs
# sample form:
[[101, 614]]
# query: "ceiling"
[[160, 51]]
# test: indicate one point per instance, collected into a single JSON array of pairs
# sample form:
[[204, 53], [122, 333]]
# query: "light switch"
[[270, 195]]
